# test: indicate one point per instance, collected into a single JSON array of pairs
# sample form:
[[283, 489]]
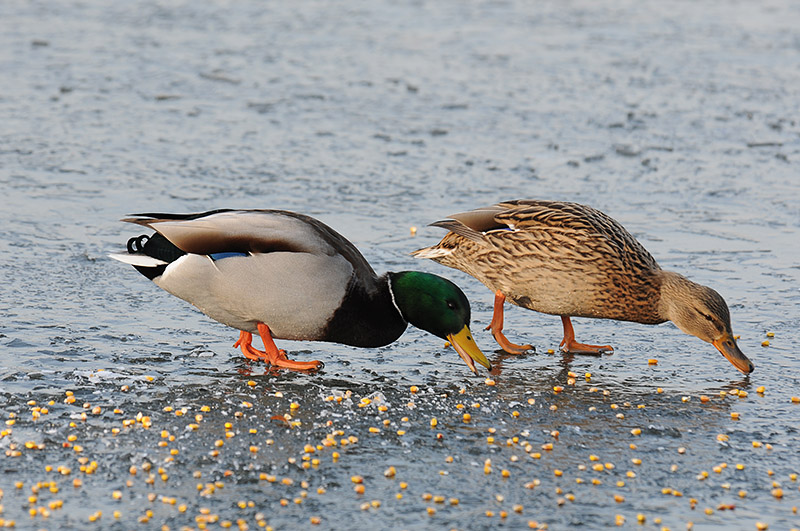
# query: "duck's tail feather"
[[137, 259], [150, 255]]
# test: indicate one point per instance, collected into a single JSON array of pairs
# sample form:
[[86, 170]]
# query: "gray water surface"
[[679, 119]]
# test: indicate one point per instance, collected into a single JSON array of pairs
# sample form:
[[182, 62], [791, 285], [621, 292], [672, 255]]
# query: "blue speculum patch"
[[220, 256]]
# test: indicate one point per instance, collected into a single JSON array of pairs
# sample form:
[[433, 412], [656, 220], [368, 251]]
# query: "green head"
[[438, 306]]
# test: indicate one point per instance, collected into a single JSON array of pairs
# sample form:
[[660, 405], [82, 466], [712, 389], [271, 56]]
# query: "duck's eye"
[[708, 317], [451, 305]]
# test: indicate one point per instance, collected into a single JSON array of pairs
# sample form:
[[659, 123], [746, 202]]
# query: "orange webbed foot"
[[250, 352], [570, 346], [277, 357], [496, 326], [505, 344], [573, 347], [297, 365]]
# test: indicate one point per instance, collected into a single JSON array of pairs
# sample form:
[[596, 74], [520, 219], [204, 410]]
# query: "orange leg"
[[250, 352], [496, 326], [271, 354], [568, 344], [278, 357]]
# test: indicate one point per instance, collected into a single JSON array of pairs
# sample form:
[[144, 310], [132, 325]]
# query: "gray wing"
[[253, 231]]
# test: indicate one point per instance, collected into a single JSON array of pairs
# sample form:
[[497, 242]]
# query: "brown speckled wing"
[[554, 257], [583, 224]]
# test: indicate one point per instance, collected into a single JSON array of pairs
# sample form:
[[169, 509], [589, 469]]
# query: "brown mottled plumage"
[[569, 259]]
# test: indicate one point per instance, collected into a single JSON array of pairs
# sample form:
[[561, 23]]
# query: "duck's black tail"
[[150, 255]]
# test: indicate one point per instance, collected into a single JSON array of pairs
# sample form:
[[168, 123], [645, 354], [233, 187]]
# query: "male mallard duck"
[[574, 261], [289, 276]]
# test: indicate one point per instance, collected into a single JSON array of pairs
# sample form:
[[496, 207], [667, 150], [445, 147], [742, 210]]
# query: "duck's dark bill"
[[727, 346], [467, 349]]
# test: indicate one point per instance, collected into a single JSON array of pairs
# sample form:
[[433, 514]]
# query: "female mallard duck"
[[288, 276], [574, 261]]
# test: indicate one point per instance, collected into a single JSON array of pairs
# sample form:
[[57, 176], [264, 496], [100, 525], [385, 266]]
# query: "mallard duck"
[[571, 260], [289, 276]]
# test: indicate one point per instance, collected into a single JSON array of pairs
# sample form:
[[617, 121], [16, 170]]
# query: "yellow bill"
[[467, 349]]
